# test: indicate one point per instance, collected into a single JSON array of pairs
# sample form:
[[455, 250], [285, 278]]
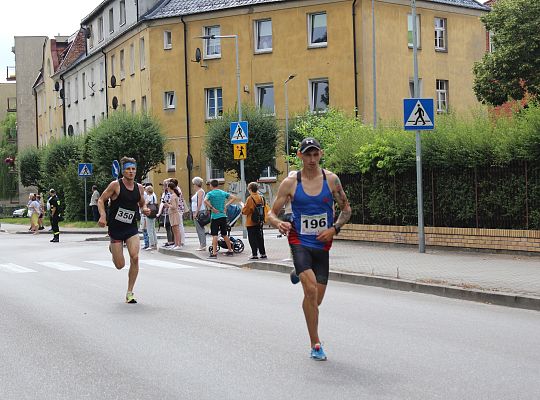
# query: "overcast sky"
[[39, 18]]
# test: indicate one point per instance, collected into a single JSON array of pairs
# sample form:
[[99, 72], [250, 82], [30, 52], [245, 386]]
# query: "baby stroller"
[[234, 213]]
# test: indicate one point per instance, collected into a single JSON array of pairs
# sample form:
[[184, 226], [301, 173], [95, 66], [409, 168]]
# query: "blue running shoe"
[[317, 353], [294, 278]]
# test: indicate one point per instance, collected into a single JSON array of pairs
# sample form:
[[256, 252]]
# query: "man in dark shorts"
[[126, 197], [311, 192], [217, 201]]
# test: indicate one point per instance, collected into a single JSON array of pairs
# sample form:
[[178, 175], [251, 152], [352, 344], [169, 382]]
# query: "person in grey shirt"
[[93, 203]]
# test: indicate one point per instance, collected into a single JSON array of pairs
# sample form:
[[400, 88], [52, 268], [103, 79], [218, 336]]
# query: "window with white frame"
[[100, 29], [111, 20], [113, 62], [410, 30], [269, 171], [213, 172], [101, 76], [263, 36], [317, 30], [91, 38], [319, 95], [440, 34], [122, 12], [442, 95], [93, 121], [92, 83], [133, 107], [167, 40], [76, 89], [68, 93], [171, 162], [411, 87], [214, 103], [169, 100], [83, 79], [122, 65], [84, 126], [131, 59], [142, 55], [265, 98], [491, 43], [212, 47]]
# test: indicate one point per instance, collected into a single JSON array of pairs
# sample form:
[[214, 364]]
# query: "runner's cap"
[[309, 143]]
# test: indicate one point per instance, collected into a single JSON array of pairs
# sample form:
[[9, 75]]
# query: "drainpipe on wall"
[[187, 103], [64, 104], [36, 114], [355, 59], [106, 84], [137, 7]]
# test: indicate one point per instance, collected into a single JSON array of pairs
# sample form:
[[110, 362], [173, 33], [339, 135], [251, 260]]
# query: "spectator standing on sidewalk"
[[151, 203], [254, 225], [34, 210], [55, 215], [93, 203], [174, 214], [181, 211], [41, 211], [198, 208], [163, 213]]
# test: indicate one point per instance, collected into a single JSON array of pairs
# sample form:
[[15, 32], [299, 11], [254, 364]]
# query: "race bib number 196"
[[313, 224], [125, 216]]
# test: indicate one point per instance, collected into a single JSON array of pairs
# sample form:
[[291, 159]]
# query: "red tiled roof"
[[73, 52]]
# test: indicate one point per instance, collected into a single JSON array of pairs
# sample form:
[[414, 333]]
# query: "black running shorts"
[[305, 258], [123, 234], [218, 225]]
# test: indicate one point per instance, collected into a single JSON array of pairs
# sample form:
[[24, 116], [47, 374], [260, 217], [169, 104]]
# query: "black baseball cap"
[[309, 143]]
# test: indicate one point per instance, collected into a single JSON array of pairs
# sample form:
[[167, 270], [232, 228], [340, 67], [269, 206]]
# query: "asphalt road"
[[206, 331]]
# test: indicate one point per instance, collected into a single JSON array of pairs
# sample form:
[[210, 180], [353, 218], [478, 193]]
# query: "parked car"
[[20, 213]]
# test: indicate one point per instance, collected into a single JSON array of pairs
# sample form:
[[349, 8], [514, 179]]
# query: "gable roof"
[[177, 8], [74, 52]]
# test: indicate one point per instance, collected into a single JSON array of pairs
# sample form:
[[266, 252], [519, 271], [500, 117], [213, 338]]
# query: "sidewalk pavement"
[[505, 279]]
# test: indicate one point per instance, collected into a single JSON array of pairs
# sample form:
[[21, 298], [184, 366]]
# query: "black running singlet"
[[124, 211]]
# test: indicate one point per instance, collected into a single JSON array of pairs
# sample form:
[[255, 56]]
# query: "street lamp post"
[[239, 101], [290, 78]]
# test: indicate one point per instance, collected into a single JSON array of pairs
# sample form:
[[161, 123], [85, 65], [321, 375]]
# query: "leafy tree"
[[511, 71], [138, 136], [29, 163], [8, 155], [261, 148]]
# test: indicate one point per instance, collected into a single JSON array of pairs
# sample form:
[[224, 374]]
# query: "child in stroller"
[[234, 213]]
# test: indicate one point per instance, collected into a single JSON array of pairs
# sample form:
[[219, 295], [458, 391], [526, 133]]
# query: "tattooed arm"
[[345, 208]]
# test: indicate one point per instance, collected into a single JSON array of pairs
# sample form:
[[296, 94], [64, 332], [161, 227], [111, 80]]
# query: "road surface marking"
[[165, 264], [10, 267], [206, 263], [61, 266]]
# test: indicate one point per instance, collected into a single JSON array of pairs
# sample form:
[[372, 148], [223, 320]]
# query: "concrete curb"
[[454, 292]]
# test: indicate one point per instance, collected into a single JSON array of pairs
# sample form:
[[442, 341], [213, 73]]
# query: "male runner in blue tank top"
[[126, 197], [311, 192]]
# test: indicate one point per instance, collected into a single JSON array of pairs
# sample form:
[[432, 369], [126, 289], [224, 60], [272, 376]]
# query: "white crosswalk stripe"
[[165, 264], [10, 267], [104, 263], [206, 263], [61, 266]]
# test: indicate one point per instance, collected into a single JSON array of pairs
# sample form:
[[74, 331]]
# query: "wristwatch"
[[337, 228]]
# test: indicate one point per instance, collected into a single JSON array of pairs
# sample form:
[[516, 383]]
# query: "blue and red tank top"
[[311, 215]]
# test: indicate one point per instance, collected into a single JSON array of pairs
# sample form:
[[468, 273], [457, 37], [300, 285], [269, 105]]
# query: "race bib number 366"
[[313, 224], [125, 216]]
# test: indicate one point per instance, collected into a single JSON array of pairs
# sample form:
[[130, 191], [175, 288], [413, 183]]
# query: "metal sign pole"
[[419, 191], [85, 202], [242, 174]]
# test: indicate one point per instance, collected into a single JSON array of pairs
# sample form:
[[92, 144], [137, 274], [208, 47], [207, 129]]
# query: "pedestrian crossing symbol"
[[239, 132], [418, 114], [85, 169]]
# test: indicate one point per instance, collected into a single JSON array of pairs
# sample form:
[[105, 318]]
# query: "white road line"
[[107, 263], [206, 263], [61, 266], [165, 264], [10, 267]]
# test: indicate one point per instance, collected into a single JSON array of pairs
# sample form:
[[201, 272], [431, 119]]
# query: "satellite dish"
[[189, 162], [56, 86], [198, 56], [115, 102], [113, 81], [70, 130], [61, 93]]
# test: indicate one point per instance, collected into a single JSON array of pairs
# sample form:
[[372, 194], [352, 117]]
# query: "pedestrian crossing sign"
[[85, 169], [239, 132], [418, 114], [240, 151]]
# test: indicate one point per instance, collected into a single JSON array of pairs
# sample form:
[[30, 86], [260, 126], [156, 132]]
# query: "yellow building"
[[49, 105], [327, 45]]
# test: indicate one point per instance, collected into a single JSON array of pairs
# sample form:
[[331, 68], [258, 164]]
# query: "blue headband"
[[129, 164]]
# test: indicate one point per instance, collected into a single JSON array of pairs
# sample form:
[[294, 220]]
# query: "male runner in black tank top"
[[127, 197]]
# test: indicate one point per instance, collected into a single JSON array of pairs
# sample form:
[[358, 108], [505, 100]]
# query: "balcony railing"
[[12, 104], [10, 73]]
